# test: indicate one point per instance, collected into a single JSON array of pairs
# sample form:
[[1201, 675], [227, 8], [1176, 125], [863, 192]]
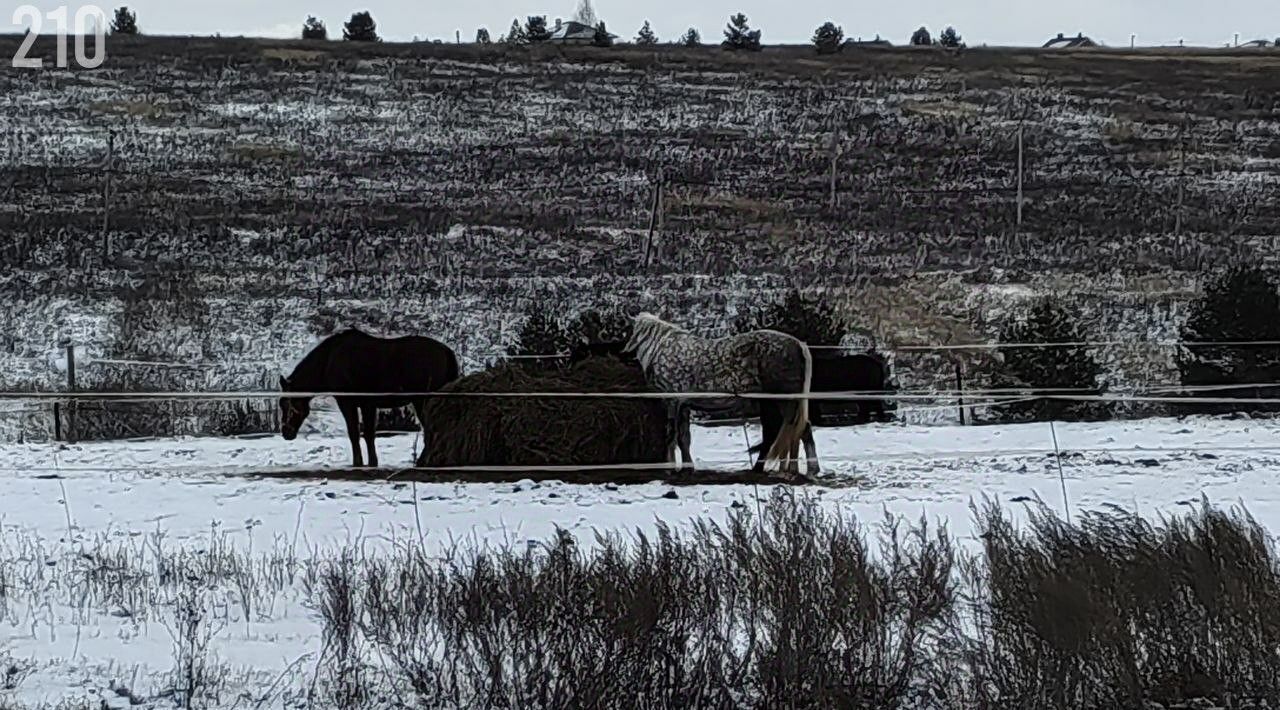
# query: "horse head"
[[293, 411]]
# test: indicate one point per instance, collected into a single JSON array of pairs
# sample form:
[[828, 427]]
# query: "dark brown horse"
[[861, 372], [356, 362]]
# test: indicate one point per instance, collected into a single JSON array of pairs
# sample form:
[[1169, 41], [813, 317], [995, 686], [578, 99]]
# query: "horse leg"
[[369, 414], [420, 411], [683, 425], [351, 415], [810, 450], [770, 427], [673, 430]]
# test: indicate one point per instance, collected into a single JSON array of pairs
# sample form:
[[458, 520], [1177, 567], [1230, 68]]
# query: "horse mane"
[[319, 349], [648, 332]]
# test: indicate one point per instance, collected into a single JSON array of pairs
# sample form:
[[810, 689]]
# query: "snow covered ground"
[[63, 505]]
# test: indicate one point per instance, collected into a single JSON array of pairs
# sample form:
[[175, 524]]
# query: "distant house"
[[860, 42], [572, 32], [1063, 42]]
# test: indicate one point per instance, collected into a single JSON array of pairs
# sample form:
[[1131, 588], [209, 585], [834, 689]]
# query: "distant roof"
[[877, 41], [1061, 42], [573, 30], [1258, 43]]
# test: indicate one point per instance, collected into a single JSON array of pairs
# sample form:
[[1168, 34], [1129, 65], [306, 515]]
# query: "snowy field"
[[67, 508]]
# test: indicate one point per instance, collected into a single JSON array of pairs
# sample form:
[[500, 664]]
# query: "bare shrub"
[[1115, 612], [192, 624], [342, 679], [790, 608]]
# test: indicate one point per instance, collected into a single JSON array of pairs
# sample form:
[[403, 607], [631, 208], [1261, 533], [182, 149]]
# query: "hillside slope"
[[289, 186]]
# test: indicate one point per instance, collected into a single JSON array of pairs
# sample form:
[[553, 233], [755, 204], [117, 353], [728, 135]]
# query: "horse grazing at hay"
[[356, 362], [759, 361], [862, 372]]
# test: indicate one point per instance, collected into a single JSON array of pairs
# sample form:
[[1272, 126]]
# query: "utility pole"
[[106, 195], [835, 155], [1020, 174], [1182, 173], [655, 205]]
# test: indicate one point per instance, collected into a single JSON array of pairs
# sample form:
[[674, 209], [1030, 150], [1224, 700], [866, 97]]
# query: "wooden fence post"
[[71, 388], [57, 421], [835, 159], [653, 217], [960, 389], [106, 196], [1019, 175]]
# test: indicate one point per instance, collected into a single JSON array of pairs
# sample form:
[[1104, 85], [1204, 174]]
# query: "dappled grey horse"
[[759, 361]]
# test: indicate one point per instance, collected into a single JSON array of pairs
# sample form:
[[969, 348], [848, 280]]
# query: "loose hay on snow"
[[534, 431]]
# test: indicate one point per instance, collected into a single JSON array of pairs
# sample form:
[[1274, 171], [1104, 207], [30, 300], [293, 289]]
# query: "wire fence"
[[890, 347], [1064, 453], [191, 409]]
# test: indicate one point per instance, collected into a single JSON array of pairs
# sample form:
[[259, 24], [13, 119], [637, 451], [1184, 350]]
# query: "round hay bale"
[[536, 431]]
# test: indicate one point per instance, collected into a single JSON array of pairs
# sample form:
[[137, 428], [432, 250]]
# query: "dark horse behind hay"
[[759, 361], [356, 362], [862, 372]]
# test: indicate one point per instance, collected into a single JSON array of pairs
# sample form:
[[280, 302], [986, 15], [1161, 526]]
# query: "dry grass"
[[134, 108], [790, 605], [941, 108], [290, 55], [264, 151]]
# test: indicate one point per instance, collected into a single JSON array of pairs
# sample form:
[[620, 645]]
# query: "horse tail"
[[792, 431]]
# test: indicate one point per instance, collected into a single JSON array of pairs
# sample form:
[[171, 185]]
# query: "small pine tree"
[[314, 29], [516, 34], [691, 38], [482, 36], [360, 28], [1047, 368], [586, 14], [738, 35], [541, 334], [828, 38], [124, 22], [646, 35], [949, 38], [535, 29], [815, 322], [1240, 305], [602, 38], [922, 38], [598, 326]]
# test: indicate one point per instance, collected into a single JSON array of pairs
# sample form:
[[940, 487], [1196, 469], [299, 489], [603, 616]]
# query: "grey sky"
[[996, 22]]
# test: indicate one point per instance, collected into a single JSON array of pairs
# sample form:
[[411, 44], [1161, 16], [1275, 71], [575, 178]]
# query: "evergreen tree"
[[1240, 305], [828, 38], [586, 14], [921, 38], [602, 37], [1047, 368], [598, 326], [535, 29], [646, 35], [125, 22], [516, 34], [949, 38], [815, 322], [738, 35], [691, 38], [541, 334], [314, 29], [482, 36], [360, 28]]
